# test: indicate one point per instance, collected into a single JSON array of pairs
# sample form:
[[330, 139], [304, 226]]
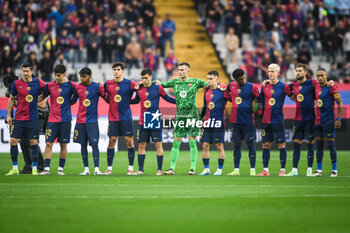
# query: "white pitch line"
[[175, 185], [179, 196]]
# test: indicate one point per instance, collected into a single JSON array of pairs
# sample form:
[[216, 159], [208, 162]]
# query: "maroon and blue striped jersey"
[[27, 96], [88, 101], [272, 97], [325, 104], [60, 98], [119, 95], [214, 105], [242, 98]]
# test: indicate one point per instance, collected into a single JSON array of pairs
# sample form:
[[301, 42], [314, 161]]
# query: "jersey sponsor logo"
[[28, 88], [147, 104], [183, 94], [238, 100], [211, 105], [59, 90], [117, 98], [29, 98], [272, 101], [319, 103], [300, 97], [60, 100], [86, 102]]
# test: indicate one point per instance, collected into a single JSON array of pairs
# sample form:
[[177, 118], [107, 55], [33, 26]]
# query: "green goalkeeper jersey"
[[185, 95]]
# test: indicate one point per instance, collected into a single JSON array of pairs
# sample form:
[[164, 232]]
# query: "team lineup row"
[[310, 121]]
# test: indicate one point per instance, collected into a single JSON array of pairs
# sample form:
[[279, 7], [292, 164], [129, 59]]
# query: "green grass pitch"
[[179, 203]]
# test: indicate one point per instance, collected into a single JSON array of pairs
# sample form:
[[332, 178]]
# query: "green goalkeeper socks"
[[174, 153], [193, 153]]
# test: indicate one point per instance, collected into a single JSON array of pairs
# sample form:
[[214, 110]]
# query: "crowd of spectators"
[[48, 32], [284, 32]]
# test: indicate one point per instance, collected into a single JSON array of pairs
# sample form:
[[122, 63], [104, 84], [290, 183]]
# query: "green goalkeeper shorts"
[[188, 128]]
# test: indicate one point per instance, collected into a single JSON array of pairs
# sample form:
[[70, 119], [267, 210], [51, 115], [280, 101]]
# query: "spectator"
[[148, 12], [330, 6], [133, 54], [170, 63], [343, 7], [287, 54], [32, 59], [46, 67], [304, 55], [238, 27], [148, 41], [291, 73], [311, 35], [61, 60], [158, 36], [333, 73], [120, 44], [58, 16], [295, 35], [329, 41], [107, 44], [260, 48], [92, 43], [71, 7], [258, 26], [344, 73], [168, 29], [78, 45], [232, 44], [340, 33], [64, 43], [49, 44], [151, 60], [269, 18], [30, 47], [346, 45], [306, 6], [7, 60]]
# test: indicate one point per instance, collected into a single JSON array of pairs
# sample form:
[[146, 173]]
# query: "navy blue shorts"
[[25, 129], [304, 130], [213, 135], [121, 128], [59, 130], [325, 131], [144, 135], [84, 132], [273, 133], [243, 132]]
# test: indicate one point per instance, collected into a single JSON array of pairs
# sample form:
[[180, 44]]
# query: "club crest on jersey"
[[238, 100], [117, 88], [300, 87], [59, 90], [29, 98], [183, 94], [146, 94], [239, 91], [117, 98], [212, 95], [211, 105], [86, 102], [147, 104], [300, 97], [320, 93], [272, 101], [319, 103], [272, 91], [60, 100], [86, 92], [28, 88], [190, 85]]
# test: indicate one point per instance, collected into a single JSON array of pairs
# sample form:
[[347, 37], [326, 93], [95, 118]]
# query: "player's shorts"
[[25, 129], [304, 130], [84, 132], [325, 130], [121, 128], [273, 133], [59, 130], [213, 135], [246, 132], [144, 135], [191, 131]]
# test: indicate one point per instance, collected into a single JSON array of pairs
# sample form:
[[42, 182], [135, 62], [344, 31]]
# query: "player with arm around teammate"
[[213, 113], [147, 94], [325, 124]]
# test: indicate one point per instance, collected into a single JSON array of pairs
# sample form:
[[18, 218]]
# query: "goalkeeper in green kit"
[[185, 89]]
